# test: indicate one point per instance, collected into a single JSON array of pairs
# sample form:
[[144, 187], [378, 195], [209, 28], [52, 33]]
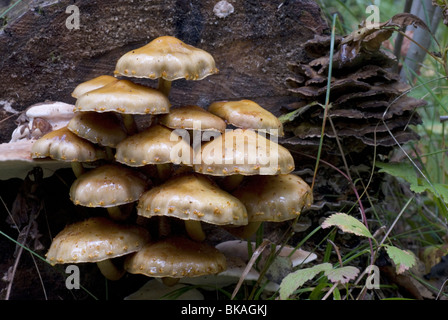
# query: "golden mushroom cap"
[[192, 117], [244, 152], [64, 145], [168, 58], [247, 114], [109, 185], [192, 197], [274, 198], [104, 129], [155, 145], [176, 257], [94, 240], [124, 96], [92, 84]]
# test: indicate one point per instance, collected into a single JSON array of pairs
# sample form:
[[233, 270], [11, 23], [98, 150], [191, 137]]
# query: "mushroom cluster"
[[222, 166]]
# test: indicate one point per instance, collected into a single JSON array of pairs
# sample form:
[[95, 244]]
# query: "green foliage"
[[347, 224]]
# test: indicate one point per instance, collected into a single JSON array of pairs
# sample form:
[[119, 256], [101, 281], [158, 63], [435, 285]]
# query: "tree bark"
[[41, 59]]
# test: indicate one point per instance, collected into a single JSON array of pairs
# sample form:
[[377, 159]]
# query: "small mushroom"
[[242, 152], [157, 145], [167, 59], [97, 240], [104, 129], [192, 117], [175, 257], [126, 98], [274, 198], [195, 199], [64, 145], [108, 186], [92, 84], [247, 114]]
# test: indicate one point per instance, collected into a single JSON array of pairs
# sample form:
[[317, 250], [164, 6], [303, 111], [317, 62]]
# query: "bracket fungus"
[[166, 58], [108, 186], [64, 145], [97, 240], [247, 114], [41, 118], [195, 199], [175, 257]]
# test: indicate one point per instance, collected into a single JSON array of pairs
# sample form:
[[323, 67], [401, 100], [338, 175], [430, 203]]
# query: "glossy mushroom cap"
[[168, 58], [154, 145], [192, 197], [192, 117], [92, 84], [109, 185], [274, 198], [104, 129], [176, 257], [247, 114], [95, 239], [64, 145], [124, 96], [243, 152]]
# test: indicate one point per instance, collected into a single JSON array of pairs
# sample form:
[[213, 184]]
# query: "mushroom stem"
[[245, 232], [164, 171], [109, 153], [77, 168], [129, 123], [229, 183], [169, 282], [164, 86], [118, 213], [110, 270], [194, 230]]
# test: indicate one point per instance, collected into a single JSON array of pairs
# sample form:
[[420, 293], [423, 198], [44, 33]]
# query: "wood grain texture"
[[40, 59]]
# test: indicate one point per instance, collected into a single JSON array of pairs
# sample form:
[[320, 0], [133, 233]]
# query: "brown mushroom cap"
[[153, 146], [92, 84], [64, 145], [243, 152], [274, 198], [104, 129], [106, 186], [192, 117], [95, 239], [192, 197], [124, 96], [168, 58], [247, 114], [176, 257]]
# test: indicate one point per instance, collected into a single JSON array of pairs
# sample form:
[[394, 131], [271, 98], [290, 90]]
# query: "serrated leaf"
[[403, 260], [296, 279], [402, 170], [347, 224], [342, 275]]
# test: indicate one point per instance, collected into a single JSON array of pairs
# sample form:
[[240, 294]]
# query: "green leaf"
[[347, 224], [288, 117], [342, 275], [296, 279], [403, 260], [405, 171]]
